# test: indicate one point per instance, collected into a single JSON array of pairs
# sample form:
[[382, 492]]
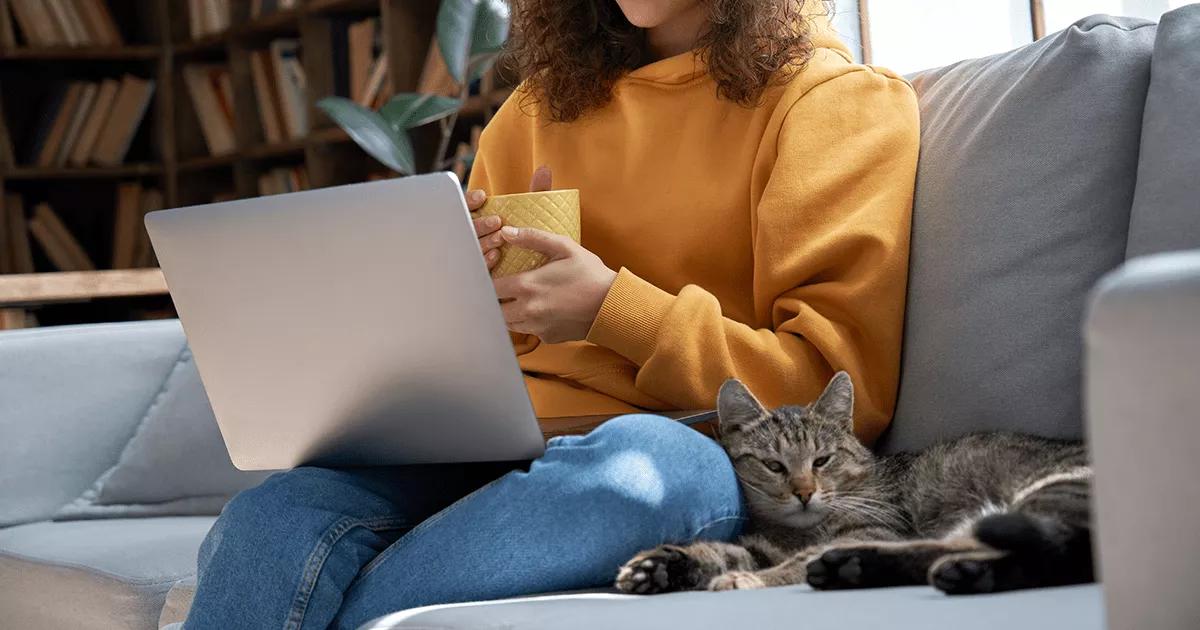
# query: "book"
[[57, 241], [8, 34], [360, 55], [215, 126], [101, 108], [126, 225], [18, 235], [100, 22], [291, 85], [65, 22], [62, 120], [6, 253], [152, 199], [123, 121], [36, 22], [435, 76], [270, 115], [222, 84], [78, 118]]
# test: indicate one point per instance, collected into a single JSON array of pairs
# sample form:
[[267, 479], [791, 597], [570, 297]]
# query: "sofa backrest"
[[1026, 178], [1166, 205]]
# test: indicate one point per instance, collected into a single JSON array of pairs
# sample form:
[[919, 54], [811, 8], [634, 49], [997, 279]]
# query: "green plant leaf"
[[469, 27], [371, 132], [408, 110], [455, 24], [491, 26]]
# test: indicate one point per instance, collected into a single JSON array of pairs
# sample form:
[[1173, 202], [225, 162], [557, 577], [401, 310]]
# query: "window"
[[908, 36]]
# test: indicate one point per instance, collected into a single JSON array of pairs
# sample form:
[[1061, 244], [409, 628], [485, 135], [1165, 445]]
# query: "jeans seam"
[[316, 560], [429, 522]]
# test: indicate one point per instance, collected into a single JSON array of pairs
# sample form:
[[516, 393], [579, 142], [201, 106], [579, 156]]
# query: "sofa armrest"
[[70, 399], [1142, 390]]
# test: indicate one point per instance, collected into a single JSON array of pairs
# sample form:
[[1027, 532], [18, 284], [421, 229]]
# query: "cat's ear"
[[837, 401], [737, 407]]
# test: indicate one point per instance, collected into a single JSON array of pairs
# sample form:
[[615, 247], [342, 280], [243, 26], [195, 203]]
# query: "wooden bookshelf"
[[170, 153]]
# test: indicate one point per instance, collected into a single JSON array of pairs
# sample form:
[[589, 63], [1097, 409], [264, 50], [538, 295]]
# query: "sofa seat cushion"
[[1078, 607], [95, 574]]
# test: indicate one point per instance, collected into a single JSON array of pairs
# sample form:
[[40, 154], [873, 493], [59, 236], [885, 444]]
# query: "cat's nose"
[[804, 497]]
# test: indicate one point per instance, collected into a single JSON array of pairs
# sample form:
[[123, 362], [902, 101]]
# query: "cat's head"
[[794, 462]]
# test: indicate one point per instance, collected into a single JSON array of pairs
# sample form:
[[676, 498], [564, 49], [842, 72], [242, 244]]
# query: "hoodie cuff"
[[630, 317]]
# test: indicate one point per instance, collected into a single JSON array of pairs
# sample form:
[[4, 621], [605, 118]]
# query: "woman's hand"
[[487, 229], [558, 301]]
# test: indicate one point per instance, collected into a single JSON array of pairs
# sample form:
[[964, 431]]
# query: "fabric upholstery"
[[914, 608], [1143, 348], [1026, 178], [1166, 208], [101, 574], [176, 462], [55, 445]]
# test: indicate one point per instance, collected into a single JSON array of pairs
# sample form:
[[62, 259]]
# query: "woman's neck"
[[677, 35]]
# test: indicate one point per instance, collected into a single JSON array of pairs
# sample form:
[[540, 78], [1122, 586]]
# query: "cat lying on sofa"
[[985, 512]]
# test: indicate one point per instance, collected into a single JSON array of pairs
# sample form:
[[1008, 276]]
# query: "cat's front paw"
[[858, 567], [660, 570], [736, 581]]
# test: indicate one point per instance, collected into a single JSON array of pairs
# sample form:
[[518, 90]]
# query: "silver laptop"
[[347, 326]]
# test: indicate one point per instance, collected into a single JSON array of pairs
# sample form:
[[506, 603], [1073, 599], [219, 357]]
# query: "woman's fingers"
[[485, 226], [475, 199], [541, 180], [491, 257]]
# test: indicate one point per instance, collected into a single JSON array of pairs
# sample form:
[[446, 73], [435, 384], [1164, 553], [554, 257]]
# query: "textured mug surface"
[[554, 211]]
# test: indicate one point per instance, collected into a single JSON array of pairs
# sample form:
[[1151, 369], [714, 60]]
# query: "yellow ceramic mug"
[[554, 211]]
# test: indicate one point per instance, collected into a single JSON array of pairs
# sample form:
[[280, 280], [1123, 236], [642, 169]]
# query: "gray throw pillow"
[[1166, 207], [175, 463], [1026, 177]]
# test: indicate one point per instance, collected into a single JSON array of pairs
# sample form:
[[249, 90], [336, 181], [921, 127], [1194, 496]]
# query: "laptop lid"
[[354, 325]]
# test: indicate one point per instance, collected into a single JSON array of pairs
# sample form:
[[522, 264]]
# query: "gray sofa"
[[1042, 170]]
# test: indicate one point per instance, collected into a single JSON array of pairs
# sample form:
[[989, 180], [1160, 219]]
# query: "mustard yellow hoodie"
[[766, 243]]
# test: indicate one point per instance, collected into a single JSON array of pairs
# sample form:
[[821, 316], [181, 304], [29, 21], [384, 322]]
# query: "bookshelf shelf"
[[172, 166], [42, 288], [88, 172], [63, 53]]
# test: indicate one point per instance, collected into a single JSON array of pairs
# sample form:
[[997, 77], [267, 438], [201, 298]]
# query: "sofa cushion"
[[70, 397], [175, 463], [1166, 206], [914, 608], [1026, 177], [95, 574]]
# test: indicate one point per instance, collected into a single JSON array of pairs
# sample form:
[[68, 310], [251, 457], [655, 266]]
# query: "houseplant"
[[470, 34]]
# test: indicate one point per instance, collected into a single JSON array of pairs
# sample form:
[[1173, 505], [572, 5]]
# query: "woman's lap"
[[567, 522]]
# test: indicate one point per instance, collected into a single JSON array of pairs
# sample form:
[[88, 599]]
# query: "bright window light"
[[1062, 13], [907, 36]]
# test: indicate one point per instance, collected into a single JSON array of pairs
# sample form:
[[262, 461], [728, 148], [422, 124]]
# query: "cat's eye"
[[774, 466], [821, 461]]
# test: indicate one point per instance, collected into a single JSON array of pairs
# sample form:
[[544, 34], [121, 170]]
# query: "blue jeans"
[[313, 548]]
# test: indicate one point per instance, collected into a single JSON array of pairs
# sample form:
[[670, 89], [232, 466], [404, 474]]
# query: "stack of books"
[[47, 23], [208, 17], [131, 245], [360, 65], [280, 90], [211, 90], [85, 122], [283, 180]]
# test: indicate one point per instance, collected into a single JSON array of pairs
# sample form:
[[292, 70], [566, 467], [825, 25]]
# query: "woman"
[[746, 193]]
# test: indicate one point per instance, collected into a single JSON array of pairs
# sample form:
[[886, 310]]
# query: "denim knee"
[[689, 471]]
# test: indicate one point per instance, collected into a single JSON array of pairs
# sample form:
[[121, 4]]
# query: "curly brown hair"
[[577, 49]]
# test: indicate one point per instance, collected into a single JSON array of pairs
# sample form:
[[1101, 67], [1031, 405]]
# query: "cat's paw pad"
[[659, 570], [736, 581], [836, 568], [964, 575]]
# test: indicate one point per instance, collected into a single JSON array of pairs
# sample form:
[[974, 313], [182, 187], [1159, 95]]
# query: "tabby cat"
[[982, 513]]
